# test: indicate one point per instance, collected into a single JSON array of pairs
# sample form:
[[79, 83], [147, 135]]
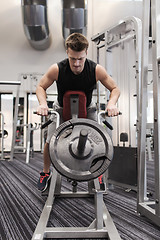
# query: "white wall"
[[17, 56]]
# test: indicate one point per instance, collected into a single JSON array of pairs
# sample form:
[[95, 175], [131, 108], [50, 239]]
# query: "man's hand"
[[112, 110], [42, 110]]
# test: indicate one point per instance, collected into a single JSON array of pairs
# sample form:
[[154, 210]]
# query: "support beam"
[[150, 209]]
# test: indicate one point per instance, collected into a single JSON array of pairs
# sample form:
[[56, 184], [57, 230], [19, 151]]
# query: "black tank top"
[[67, 80]]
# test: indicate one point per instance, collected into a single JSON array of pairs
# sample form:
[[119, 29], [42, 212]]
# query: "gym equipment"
[[73, 101], [123, 138], [150, 140], [88, 149], [123, 168], [14, 83], [125, 158], [85, 141], [114, 45], [80, 150], [2, 135], [122, 45], [150, 209], [27, 81], [30, 148]]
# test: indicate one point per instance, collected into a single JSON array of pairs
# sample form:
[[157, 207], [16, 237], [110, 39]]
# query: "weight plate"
[[89, 164]]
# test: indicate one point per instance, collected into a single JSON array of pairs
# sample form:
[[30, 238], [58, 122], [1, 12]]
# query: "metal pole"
[[2, 137], [155, 13], [10, 83], [142, 191], [15, 119], [98, 87]]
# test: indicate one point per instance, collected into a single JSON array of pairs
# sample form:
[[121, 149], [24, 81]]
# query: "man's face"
[[76, 60]]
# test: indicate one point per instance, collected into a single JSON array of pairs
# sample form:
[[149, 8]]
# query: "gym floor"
[[21, 204]]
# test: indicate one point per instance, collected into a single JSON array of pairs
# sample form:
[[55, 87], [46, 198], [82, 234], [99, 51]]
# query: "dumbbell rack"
[[101, 227]]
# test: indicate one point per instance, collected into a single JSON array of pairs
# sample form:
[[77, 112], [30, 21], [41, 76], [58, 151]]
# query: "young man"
[[74, 73]]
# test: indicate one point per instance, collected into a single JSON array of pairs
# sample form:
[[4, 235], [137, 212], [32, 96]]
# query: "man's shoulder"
[[91, 63], [63, 62]]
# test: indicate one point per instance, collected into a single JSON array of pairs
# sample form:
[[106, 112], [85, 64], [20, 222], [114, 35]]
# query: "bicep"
[[104, 78], [49, 77]]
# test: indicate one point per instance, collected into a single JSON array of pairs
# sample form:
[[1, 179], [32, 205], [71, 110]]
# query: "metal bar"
[[57, 116], [108, 222], [98, 87], [10, 83], [74, 233], [129, 94], [142, 191], [15, 122], [110, 45], [93, 231], [98, 37], [28, 143], [75, 194], [155, 13], [149, 212], [99, 209], [2, 137], [101, 36], [42, 223]]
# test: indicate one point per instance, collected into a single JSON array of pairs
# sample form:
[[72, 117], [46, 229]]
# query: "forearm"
[[114, 95], [41, 95], [111, 107], [42, 109]]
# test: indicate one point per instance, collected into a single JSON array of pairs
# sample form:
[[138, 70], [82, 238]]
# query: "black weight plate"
[[97, 155]]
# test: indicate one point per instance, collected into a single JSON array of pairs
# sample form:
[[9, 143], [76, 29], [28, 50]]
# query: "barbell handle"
[[106, 113], [46, 123], [108, 125], [103, 114], [49, 121], [49, 112]]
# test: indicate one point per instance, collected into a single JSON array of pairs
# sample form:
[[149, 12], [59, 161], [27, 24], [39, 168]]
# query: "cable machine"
[[122, 44], [13, 83], [26, 85]]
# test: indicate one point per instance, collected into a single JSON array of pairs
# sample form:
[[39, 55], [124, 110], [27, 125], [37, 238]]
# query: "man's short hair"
[[77, 42]]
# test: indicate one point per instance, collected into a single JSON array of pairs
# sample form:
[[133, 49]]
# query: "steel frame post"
[[142, 188], [111, 38], [150, 209], [155, 13], [15, 118], [2, 136]]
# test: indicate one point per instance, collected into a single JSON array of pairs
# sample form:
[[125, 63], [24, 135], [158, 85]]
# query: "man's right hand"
[[42, 110]]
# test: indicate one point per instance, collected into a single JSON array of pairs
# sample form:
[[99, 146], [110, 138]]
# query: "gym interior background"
[[107, 26]]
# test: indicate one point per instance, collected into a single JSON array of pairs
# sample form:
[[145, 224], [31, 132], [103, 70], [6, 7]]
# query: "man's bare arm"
[[109, 83], [46, 81]]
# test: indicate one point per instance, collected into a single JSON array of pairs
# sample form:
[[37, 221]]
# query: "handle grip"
[[106, 113], [108, 125], [46, 123], [49, 112]]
